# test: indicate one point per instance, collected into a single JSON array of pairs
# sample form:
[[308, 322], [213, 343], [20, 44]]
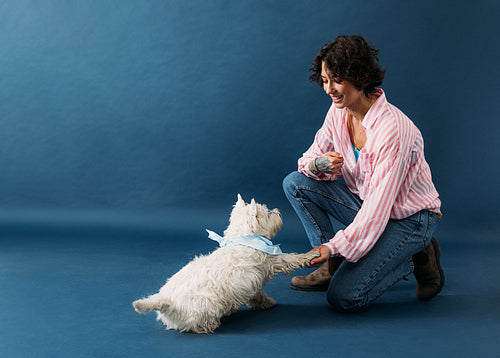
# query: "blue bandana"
[[254, 241]]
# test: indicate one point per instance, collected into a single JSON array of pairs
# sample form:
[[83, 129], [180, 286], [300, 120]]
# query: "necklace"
[[358, 138], [358, 135]]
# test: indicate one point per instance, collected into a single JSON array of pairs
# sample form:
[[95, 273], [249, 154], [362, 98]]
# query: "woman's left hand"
[[324, 255]]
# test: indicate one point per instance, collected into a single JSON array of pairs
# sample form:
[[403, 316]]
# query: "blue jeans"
[[356, 285]]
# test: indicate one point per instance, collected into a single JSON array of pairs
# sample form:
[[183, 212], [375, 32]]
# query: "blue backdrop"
[[147, 107], [125, 123]]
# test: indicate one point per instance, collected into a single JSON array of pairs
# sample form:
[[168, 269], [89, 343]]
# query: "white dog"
[[213, 286]]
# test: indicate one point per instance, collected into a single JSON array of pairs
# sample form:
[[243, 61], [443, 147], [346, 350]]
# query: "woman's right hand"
[[324, 255], [330, 163]]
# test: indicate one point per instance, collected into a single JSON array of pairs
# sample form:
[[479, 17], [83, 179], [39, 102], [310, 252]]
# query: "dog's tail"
[[151, 303]]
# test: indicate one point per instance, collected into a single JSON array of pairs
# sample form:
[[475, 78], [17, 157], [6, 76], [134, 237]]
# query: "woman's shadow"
[[291, 316]]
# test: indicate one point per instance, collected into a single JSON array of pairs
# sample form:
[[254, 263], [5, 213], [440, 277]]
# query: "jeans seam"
[[311, 218], [428, 226], [327, 196], [387, 260]]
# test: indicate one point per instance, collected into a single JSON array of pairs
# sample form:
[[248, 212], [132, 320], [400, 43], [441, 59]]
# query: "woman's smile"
[[337, 99]]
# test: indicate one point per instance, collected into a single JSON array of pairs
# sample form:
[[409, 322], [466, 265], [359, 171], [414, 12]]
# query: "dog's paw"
[[263, 304], [267, 304], [141, 306], [311, 255], [308, 257], [316, 253], [261, 301]]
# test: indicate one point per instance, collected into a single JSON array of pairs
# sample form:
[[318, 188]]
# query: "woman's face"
[[343, 94]]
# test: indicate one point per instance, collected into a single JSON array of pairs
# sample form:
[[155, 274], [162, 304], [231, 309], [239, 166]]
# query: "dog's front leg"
[[289, 262], [261, 301]]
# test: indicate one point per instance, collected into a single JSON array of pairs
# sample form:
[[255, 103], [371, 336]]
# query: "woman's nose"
[[329, 88]]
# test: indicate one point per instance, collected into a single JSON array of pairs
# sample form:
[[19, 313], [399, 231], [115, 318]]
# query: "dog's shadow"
[[282, 317]]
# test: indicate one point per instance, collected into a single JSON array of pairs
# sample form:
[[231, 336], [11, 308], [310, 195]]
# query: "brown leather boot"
[[428, 271], [318, 280]]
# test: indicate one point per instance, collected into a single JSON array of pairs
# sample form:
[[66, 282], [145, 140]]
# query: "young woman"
[[367, 169]]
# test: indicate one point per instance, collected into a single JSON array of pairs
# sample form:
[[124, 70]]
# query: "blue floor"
[[65, 294]]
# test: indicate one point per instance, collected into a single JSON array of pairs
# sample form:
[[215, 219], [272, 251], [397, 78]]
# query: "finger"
[[315, 260], [319, 260], [334, 155], [335, 160], [336, 167], [315, 263]]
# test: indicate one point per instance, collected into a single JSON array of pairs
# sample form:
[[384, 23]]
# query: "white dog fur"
[[215, 285]]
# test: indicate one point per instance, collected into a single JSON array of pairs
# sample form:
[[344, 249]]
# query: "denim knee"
[[291, 182], [343, 301]]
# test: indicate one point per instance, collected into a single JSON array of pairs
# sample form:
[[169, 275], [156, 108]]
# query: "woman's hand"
[[324, 255], [330, 163]]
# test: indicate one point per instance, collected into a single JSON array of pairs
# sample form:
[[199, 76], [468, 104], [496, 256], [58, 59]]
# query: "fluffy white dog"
[[215, 285]]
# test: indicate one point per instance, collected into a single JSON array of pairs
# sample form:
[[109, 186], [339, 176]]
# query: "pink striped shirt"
[[391, 175]]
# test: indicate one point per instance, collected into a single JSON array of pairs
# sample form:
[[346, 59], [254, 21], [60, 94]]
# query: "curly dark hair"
[[350, 58]]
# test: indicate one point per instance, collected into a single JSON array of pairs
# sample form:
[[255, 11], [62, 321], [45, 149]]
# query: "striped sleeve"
[[323, 143]]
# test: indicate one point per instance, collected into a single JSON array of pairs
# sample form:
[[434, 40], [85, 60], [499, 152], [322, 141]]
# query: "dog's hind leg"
[[151, 303], [206, 326], [261, 301], [289, 262]]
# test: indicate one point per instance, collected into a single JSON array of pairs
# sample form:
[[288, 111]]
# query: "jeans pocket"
[[436, 215], [414, 219], [432, 224]]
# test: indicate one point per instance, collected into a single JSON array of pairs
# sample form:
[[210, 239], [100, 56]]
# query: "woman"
[[366, 168]]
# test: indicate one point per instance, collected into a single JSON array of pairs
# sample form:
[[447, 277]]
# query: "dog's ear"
[[240, 202], [253, 208], [252, 216]]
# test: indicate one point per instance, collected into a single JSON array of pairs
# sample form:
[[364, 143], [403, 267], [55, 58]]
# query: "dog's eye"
[[275, 212]]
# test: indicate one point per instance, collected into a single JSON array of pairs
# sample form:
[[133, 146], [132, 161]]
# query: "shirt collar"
[[376, 110]]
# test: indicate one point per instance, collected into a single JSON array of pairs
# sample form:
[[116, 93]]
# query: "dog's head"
[[253, 219]]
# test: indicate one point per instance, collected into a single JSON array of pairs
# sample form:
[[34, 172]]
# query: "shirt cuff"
[[333, 251], [339, 246]]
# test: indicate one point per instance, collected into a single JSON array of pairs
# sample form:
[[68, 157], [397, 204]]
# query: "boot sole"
[[309, 288], [437, 251]]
